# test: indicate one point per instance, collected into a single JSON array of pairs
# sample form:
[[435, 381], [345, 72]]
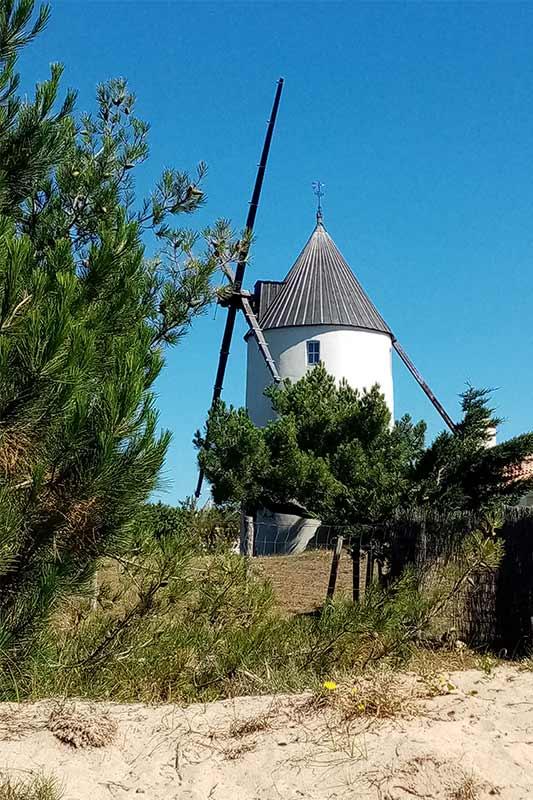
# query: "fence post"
[[369, 566], [423, 549], [94, 598], [356, 571], [248, 536], [334, 567]]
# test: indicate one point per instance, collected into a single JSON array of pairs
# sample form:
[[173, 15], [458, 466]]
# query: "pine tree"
[[332, 450], [461, 472], [84, 318]]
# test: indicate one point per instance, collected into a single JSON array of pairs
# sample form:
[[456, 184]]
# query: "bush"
[[85, 319], [174, 625], [171, 625], [212, 528]]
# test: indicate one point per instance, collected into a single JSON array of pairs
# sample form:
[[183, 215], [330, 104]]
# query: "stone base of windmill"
[[280, 533]]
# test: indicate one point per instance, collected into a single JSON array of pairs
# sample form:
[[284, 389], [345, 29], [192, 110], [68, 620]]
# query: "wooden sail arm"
[[424, 386], [257, 333], [241, 265]]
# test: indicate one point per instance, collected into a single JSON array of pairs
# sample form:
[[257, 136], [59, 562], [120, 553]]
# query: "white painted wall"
[[362, 357]]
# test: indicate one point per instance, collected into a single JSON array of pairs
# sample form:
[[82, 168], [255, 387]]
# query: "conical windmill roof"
[[321, 289]]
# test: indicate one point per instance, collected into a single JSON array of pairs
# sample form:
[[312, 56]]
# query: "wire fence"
[[272, 539], [414, 538], [307, 562], [346, 557]]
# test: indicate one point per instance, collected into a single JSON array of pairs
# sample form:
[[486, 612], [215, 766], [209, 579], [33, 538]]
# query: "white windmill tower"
[[318, 313]]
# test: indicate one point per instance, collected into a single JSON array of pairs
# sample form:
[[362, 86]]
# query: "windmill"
[[319, 268]]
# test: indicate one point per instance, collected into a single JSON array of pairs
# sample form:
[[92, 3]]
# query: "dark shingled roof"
[[321, 289]]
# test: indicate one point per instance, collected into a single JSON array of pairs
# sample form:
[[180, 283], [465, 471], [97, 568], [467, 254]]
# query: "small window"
[[313, 353]]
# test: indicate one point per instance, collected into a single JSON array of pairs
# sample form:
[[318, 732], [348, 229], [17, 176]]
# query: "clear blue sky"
[[418, 117]]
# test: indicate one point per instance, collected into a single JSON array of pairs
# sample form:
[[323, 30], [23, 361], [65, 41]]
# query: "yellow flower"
[[330, 685]]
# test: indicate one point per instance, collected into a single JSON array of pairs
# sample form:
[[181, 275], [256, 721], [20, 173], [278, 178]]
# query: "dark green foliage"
[[332, 450], [459, 472], [32, 137], [159, 520], [83, 318], [211, 528], [237, 455]]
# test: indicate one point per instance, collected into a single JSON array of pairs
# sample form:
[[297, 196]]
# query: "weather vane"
[[318, 188]]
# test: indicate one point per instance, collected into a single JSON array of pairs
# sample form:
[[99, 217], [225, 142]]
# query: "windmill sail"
[[238, 301]]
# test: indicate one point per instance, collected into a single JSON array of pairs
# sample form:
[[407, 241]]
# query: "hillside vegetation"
[[169, 624]]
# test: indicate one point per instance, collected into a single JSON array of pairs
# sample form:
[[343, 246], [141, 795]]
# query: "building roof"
[[321, 289], [520, 472]]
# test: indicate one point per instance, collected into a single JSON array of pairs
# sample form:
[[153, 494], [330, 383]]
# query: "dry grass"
[[428, 777], [427, 661], [300, 581], [16, 451], [234, 752], [467, 790], [382, 696], [16, 722], [526, 663], [82, 728], [378, 697], [247, 727]]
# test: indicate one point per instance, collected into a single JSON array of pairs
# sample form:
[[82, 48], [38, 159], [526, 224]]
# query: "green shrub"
[[212, 528], [175, 625]]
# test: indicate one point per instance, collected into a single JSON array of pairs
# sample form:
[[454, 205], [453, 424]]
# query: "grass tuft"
[[234, 752], [378, 696], [468, 789], [39, 787], [247, 727]]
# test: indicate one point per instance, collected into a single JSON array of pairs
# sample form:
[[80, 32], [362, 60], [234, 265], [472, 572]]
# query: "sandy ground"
[[474, 741]]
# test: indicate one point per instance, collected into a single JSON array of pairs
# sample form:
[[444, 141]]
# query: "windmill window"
[[313, 353]]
